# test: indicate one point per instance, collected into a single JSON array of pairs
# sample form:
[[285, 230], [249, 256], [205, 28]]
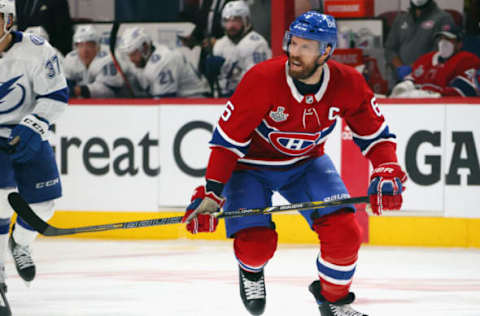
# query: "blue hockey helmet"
[[315, 26]]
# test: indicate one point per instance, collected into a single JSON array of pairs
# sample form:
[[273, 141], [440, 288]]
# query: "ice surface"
[[184, 277]]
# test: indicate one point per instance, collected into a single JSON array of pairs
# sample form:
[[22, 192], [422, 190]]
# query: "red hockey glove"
[[386, 187], [202, 202]]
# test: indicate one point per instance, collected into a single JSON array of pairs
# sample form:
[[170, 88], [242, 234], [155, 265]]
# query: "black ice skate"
[[338, 308], [252, 291], [4, 307], [23, 259]]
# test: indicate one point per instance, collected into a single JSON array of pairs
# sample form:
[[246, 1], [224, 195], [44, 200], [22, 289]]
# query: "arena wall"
[[126, 160]]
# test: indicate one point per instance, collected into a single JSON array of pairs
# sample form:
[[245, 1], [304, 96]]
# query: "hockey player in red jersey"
[[447, 71], [271, 137]]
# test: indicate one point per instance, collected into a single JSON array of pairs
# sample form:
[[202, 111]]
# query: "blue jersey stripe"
[[467, 89], [365, 143], [219, 140], [59, 95]]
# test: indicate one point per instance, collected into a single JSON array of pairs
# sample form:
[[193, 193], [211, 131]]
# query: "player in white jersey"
[[33, 94], [161, 71], [89, 69], [236, 52], [40, 31]]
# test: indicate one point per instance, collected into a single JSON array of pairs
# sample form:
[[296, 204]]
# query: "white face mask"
[[419, 3], [445, 48]]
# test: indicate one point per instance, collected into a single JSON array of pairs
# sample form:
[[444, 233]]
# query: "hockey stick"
[[26, 213], [112, 43], [5, 307]]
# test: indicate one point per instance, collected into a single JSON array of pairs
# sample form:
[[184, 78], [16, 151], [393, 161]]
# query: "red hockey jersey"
[[268, 123], [454, 77]]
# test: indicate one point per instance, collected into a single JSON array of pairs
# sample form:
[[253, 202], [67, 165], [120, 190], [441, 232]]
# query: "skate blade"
[[27, 284]]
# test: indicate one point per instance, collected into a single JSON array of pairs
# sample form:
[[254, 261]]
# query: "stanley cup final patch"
[[278, 115]]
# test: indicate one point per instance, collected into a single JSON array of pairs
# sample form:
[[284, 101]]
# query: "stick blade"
[[26, 213]]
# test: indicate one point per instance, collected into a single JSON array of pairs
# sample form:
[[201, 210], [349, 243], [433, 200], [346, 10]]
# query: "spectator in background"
[[302, 6], [160, 71], [208, 24], [445, 72], [412, 35], [208, 28], [237, 51], [89, 69], [52, 15], [208, 20]]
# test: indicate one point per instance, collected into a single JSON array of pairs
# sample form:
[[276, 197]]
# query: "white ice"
[[129, 278]]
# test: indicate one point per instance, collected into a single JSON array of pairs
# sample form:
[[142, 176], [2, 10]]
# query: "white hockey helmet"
[[37, 30], [132, 39], [7, 7], [236, 9], [85, 33]]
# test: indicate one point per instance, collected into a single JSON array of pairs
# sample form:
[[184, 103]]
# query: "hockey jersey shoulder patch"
[[37, 40]]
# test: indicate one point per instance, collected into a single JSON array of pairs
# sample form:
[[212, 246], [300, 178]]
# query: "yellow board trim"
[[292, 228], [425, 231]]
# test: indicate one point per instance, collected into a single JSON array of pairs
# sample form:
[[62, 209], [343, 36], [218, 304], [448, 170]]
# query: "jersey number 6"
[[228, 111], [375, 107]]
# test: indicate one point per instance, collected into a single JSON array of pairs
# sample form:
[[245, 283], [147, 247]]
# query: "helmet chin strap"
[[5, 30], [4, 36]]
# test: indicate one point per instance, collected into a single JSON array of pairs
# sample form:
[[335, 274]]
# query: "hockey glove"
[[386, 187], [403, 71], [213, 65], [202, 202], [31, 130]]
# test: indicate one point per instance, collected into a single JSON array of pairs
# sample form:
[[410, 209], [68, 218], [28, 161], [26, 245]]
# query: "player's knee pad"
[[340, 237], [255, 246], [6, 210]]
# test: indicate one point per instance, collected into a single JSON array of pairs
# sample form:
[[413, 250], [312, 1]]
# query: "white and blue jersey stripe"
[[366, 142]]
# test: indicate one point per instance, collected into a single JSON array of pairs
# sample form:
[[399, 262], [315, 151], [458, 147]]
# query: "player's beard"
[[305, 72], [141, 63], [235, 35]]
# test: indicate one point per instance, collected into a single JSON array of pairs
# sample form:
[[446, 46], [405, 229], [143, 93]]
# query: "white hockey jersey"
[[169, 74], [31, 81], [239, 58], [101, 77]]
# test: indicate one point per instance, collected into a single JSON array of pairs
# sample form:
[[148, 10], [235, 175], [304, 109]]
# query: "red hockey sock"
[[340, 240]]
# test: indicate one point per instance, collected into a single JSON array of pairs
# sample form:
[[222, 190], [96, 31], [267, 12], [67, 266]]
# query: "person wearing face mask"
[[412, 35], [448, 71]]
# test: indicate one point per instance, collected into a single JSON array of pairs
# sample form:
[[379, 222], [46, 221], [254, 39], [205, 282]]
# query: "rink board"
[[128, 160]]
